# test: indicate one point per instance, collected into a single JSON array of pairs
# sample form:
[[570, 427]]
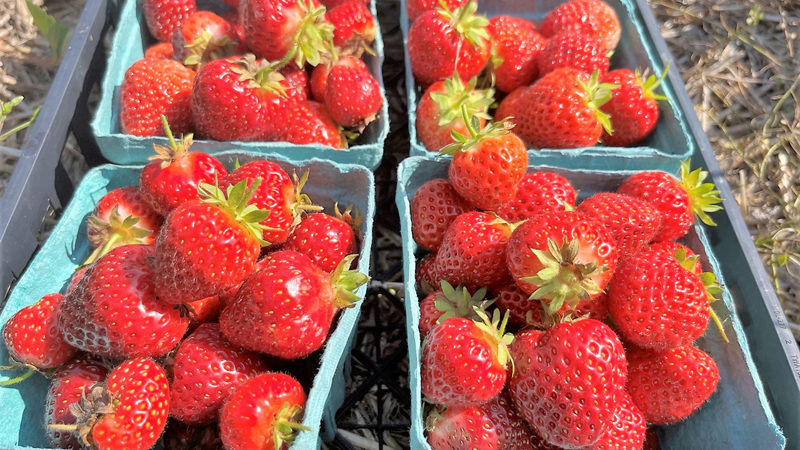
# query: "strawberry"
[[678, 201], [633, 107], [439, 110], [450, 302], [159, 50], [561, 110], [330, 4], [71, 383], [464, 362], [153, 87], [208, 246], [262, 412], [632, 222], [592, 17], [488, 164], [561, 257], [426, 277], [354, 27], [434, 206], [123, 319], [285, 309], [467, 428], [326, 239], [538, 192], [297, 82], [516, 47], [512, 431], [415, 8], [473, 251], [310, 122], [76, 278], [626, 430], [672, 248], [122, 216], [32, 335], [318, 81], [171, 177], [578, 51], [203, 37], [567, 380], [669, 386], [352, 94], [205, 310], [163, 17], [207, 369], [442, 42], [523, 310]]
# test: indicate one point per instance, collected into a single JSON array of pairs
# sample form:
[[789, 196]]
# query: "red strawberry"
[[264, 411], [627, 427], [561, 110], [468, 428], [632, 222], [153, 87], [672, 248], [561, 257], [205, 310], [512, 431], [208, 246], [330, 4], [122, 216], [434, 206], [578, 51], [207, 369], [297, 82], [633, 107], [32, 335], [352, 94], [538, 192], [517, 45], [172, 176], [67, 387], [318, 82], [523, 310], [76, 278], [669, 386], [203, 37], [593, 17], [678, 201], [473, 250], [159, 50], [442, 42], [123, 319], [326, 239], [426, 276], [450, 302], [440, 110], [567, 379], [163, 17], [415, 8], [354, 27], [464, 362], [286, 308], [310, 122]]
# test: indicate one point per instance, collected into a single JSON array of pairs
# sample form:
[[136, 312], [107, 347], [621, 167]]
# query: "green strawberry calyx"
[[346, 282], [302, 202], [457, 94], [458, 302], [476, 134], [597, 95], [235, 201], [205, 47], [710, 284], [287, 425], [563, 279], [175, 151], [106, 235], [471, 26], [494, 330], [260, 74], [703, 197], [649, 82], [313, 41]]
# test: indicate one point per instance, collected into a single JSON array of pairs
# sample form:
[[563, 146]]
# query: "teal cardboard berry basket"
[[131, 39], [737, 416], [22, 419], [666, 147]]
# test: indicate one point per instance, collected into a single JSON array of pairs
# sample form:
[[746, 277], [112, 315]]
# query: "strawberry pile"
[[201, 283], [551, 323], [268, 70], [553, 82]]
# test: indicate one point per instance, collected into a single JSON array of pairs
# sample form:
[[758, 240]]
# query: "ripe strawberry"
[[172, 176], [462, 429], [207, 369], [426, 277], [123, 319], [523, 310], [440, 110], [633, 107], [354, 28], [159, 50], [567, 380], [516, 44], [203, 37], [669, 386], [310, 122], [153, 87], [442, 42], [122, 216], [487, 165], [632, 222], [330, 4], [592, 17], [318, 81], [163, 17], [205, 310], [672, 248], [561, 110], [326, 239], [352, 94], [626, 430], [538, 192], [473, 250], [415, 8], [76, 278], [68, 386], [578, 51], [512, 431], [32, 335], [208, 246], [450, 302], [561, 257], [434, 206], [464, 361], [678, 201], [297, 82], [285, 309]]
